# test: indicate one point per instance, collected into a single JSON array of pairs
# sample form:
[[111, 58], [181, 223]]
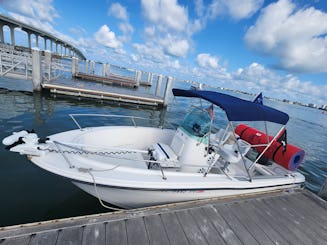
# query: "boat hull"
[[130, 198]]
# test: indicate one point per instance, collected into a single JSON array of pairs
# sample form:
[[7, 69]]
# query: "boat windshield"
[[197, 123]]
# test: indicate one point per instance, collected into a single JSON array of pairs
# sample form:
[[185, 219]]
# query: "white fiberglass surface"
[[125, 137]]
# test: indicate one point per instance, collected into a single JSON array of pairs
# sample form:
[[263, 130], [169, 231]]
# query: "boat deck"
[[296, 217]]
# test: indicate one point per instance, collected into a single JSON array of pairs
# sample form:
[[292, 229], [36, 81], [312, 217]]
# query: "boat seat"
[[220, 137], [165, 155], [233, 153]]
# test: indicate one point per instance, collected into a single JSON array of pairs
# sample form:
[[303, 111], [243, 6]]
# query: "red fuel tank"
[[290, 159]]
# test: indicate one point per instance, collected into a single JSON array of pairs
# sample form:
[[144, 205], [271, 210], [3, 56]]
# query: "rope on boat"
[[79, 151], [88, 170]]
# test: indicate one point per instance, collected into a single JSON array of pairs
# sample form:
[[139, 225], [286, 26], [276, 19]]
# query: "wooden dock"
[[296, 217], [104, 95], [111, 80]]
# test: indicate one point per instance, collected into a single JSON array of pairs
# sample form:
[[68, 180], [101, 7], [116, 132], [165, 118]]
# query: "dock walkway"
[[102, 92], [112, 79], [297, 217]]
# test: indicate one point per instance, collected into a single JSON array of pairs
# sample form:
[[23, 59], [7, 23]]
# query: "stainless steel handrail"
[[132, 118]]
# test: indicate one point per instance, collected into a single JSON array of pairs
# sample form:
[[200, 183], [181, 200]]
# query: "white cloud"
[[118, 11], [235, 9], [167, 27], [206, 60], [166, 14], [243, 9], [78, 30], [127, 30], [297, 37], [107, 38], [174, 46], [134, 57], [256, 78], [42, 10]]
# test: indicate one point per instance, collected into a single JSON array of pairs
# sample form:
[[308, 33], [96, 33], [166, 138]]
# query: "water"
[[29, 194]]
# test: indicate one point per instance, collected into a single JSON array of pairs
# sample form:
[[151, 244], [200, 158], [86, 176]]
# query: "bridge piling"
[[36, 69]]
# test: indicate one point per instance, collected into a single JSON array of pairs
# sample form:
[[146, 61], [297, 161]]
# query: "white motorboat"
[[137, 166]]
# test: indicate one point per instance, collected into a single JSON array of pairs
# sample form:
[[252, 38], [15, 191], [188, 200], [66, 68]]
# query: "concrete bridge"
[[51, 42]]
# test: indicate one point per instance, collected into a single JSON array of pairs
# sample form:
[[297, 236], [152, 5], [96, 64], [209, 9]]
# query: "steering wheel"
[[196, 128]]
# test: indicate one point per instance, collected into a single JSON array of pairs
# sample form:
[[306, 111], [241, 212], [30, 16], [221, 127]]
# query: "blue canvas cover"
[[237, 109]]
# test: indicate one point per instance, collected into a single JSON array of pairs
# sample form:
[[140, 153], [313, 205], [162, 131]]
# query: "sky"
[[275, 47]]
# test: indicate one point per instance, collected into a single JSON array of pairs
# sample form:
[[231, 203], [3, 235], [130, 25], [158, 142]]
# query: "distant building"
[[312, 105]]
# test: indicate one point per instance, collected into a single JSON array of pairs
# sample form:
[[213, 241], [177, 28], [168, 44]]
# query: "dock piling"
[[104, 70], [74, 66], [137, 78], [167, 91], [36, 69], [158, 88], [92, 64], [87, 66]]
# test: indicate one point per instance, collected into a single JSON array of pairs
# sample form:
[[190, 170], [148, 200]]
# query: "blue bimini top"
[[237, 109]]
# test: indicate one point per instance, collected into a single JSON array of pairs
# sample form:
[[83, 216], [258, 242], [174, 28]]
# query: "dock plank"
[[268, 229], [314, 214], [317, 205], [238, 227], [221, 226], [70, 235], [313, 228], [206, 227], [274, 221], [190, 227], [305, 235], [282, 225], [23, 240], [156, 230], [136, 231], [116, 232], [94, 234], [46, 238], [173, 229], [253, 226]]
